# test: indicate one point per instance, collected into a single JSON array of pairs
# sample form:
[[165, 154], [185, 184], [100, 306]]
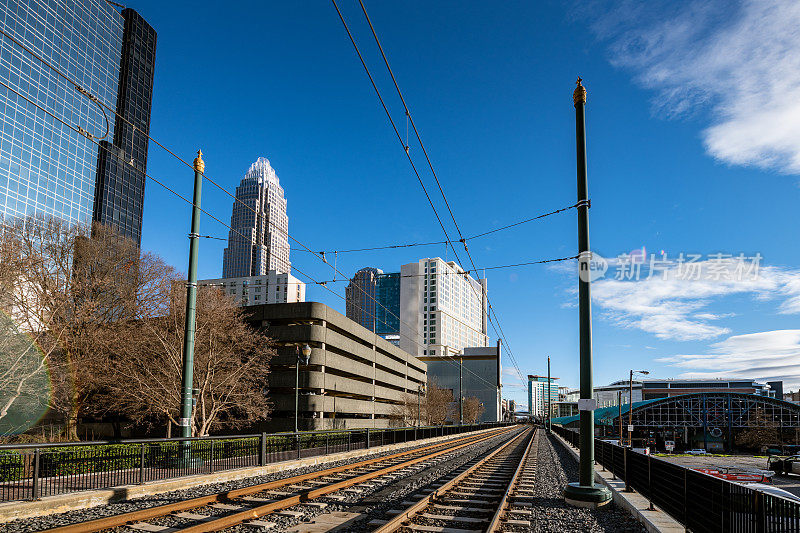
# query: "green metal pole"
[[584, 492], [191, 303]]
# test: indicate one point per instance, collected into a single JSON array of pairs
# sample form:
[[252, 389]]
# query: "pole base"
[[592, 497]]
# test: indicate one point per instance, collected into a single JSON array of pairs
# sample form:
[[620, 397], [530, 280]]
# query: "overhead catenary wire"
[[102, 104], [210, 215], [411, 162], [162, 184]]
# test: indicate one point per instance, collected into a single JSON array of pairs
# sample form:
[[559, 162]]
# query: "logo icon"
[[591, 266]]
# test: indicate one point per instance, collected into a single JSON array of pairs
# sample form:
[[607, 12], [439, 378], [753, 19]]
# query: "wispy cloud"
[[766, 356], [736, 59], [670, 306]]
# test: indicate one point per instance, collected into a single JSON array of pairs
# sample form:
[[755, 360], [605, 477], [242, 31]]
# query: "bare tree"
[[60, 287], [473, 409], [761, 432], [437, 403], [231, 365]]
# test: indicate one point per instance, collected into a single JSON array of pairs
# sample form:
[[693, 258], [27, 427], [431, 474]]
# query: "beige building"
[[353, 379]]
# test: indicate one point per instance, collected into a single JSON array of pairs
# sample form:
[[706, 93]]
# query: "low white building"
[[270, 288]]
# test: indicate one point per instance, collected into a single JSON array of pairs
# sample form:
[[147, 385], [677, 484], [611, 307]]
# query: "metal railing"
[[31, 471], [702, 503]]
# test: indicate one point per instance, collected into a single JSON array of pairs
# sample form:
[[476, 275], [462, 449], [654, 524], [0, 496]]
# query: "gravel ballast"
[[551, 513], [421, 477]]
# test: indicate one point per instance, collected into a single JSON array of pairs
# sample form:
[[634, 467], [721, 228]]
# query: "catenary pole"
[[584, 492], [191, 302]]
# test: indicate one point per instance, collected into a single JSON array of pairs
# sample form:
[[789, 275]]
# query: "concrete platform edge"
[[654, 521], [92, 498]]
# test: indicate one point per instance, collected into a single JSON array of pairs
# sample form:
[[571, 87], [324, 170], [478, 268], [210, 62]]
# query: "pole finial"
[[199, 165], [579, 95]]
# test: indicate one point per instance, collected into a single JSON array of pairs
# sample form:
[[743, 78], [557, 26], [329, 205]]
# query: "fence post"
[[263, 459], [627, 474], [297, 436], [650, 482], [211, 459], [367, 438], [349, 438], [685, 499], [36, 464], [613, 465], [141, 464], [326, 443], [759, 511]]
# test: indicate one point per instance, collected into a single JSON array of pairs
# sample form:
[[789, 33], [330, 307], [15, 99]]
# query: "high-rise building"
[[121, 165], [373, 300], [270, 288], [540, 392], [442, 308], [259, 239], [46, 168]]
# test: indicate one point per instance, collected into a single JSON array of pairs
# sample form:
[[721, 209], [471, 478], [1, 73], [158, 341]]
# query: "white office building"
[[259, 239], [442, 308], [270, 288]]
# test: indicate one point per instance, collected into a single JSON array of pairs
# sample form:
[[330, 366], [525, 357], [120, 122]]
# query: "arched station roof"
[[707, 409]]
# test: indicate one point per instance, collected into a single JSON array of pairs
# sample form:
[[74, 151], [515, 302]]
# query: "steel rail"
[[502, 508], [399, 521], [108, 522], [260, 511]]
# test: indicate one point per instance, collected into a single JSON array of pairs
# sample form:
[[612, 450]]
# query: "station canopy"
[[717, 409]]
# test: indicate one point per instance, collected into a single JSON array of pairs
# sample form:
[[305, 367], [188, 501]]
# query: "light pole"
[[303, 360], [630, 404], [420, 392], [191, 304], [584, 493]]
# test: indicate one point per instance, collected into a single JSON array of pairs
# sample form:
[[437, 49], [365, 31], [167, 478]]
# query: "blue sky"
[[693, 147]]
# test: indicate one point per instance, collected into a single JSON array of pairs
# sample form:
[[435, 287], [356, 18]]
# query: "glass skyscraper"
[[259, 239], [373, 300], [45, 167]]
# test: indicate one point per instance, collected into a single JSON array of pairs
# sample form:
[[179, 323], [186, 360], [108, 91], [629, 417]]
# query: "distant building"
[[442, 309], [540, 392], [776, 388], [269, 288], [564, 408], [46, 168], [373, 301], [354, 379], [480, 376], [652, 389], [259, 237], [607, 395]]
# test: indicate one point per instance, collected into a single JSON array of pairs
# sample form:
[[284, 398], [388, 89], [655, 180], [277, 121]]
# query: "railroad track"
[[490, 496], [249, 505]]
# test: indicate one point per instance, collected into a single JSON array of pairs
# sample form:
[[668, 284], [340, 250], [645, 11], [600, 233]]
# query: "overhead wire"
[[416, 132], [323, 284], [102, 104], [462, 239]]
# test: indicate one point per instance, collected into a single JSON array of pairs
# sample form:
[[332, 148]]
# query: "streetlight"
[[630, 404], [420, 392], [300, 360]]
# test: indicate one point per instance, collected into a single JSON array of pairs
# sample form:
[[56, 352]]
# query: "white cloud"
[[670, 306], [737, 59], [765, 356]]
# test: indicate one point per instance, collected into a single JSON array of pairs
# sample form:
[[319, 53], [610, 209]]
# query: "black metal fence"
[[31, 471], [700, 502]]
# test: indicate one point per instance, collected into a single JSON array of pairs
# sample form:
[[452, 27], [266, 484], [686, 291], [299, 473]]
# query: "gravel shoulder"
[[555, 469]]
